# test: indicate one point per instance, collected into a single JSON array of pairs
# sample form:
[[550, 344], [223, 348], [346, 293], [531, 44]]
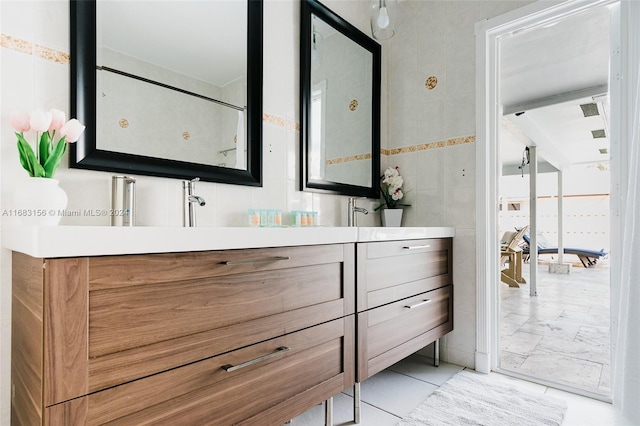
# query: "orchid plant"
[[391, 188], [45, 159]]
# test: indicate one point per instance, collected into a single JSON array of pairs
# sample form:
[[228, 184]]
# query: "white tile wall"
[[437, 38], [431, 173], [407, 167]]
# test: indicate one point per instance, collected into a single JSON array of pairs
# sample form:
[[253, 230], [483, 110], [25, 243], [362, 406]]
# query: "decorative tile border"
[[291, 124], [42, 52], [16, 44], [51, 55], [432, 145], [60, 57], [272, 119], [280, 122], [349, 159]]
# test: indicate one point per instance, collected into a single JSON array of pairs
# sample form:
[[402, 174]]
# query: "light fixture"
[[383, 18], [590, 109]]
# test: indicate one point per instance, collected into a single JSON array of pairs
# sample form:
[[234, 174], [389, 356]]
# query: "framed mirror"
[[168, 88], [339, 105]]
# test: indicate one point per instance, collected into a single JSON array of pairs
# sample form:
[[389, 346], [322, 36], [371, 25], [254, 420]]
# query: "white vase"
[[391, 217], [39, 202]]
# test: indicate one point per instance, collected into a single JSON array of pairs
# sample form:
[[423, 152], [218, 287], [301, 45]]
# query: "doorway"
[[554, 94], [490, 34]]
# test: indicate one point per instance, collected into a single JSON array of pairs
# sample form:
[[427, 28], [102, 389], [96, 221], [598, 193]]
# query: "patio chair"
[[511, 253], [587, 257]]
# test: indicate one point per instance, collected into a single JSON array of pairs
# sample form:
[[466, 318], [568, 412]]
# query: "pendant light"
[[384, 15]]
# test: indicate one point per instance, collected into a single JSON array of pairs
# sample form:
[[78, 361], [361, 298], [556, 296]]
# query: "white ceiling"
[[548, 72], [188, 37]]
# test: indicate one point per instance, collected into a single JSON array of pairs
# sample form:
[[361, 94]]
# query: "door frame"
[[488, 110]]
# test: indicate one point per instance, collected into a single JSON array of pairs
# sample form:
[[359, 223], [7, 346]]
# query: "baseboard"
[[482, 363]]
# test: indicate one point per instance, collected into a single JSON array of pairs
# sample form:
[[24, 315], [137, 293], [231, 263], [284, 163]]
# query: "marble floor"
[[396, 391], [562, 334]]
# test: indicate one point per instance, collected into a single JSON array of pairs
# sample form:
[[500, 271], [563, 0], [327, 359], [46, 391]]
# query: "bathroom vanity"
[[247, 326]]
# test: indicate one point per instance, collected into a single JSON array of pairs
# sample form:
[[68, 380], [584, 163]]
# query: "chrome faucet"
[[190, 199], [353, 209]]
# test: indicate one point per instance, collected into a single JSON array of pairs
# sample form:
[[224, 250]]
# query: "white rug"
[[474, 399]]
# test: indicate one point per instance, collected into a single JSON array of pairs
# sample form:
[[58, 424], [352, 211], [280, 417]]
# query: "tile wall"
[[431, 135]]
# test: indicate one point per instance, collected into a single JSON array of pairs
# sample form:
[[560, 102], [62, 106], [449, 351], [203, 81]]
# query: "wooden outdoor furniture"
[[511, 253]]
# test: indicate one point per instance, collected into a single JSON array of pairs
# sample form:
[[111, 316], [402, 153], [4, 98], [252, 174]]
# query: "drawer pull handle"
[[250, 261], [417, 305], [417, 247], [281, 350]]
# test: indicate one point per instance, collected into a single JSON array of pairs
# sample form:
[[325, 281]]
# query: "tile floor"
[[395, 392], [561, 335]]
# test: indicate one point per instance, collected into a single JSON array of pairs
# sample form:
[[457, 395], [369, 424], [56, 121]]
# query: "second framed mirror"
[[340, 105]]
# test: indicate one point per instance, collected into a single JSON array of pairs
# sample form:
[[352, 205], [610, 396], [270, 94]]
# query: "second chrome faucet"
[[352, 210], [189, 202]]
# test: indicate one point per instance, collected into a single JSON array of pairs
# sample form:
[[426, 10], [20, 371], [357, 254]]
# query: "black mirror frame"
[[310, 7], [85, 155]]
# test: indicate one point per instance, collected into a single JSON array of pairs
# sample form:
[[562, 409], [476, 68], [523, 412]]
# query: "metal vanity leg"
[[356, 402], [328, 412], [436, 353]]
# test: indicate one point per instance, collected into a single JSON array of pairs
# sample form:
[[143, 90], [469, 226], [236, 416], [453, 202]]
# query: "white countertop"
[[71, 241]]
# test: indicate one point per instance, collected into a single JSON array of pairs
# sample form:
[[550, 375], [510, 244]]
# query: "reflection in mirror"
[[340, 105], [185, 127], [195, 102], [169, 88]]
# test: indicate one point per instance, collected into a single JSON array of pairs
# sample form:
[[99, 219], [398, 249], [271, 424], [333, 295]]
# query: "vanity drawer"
[[392, 270], [266, 383], [110, 320], [392, 332], [149, 313]]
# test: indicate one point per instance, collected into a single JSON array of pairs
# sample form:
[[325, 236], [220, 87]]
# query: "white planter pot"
[[39, 202], [391, 217]]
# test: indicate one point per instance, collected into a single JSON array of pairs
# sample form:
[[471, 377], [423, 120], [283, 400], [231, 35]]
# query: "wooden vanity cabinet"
[[404, 299], [253, 336]]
